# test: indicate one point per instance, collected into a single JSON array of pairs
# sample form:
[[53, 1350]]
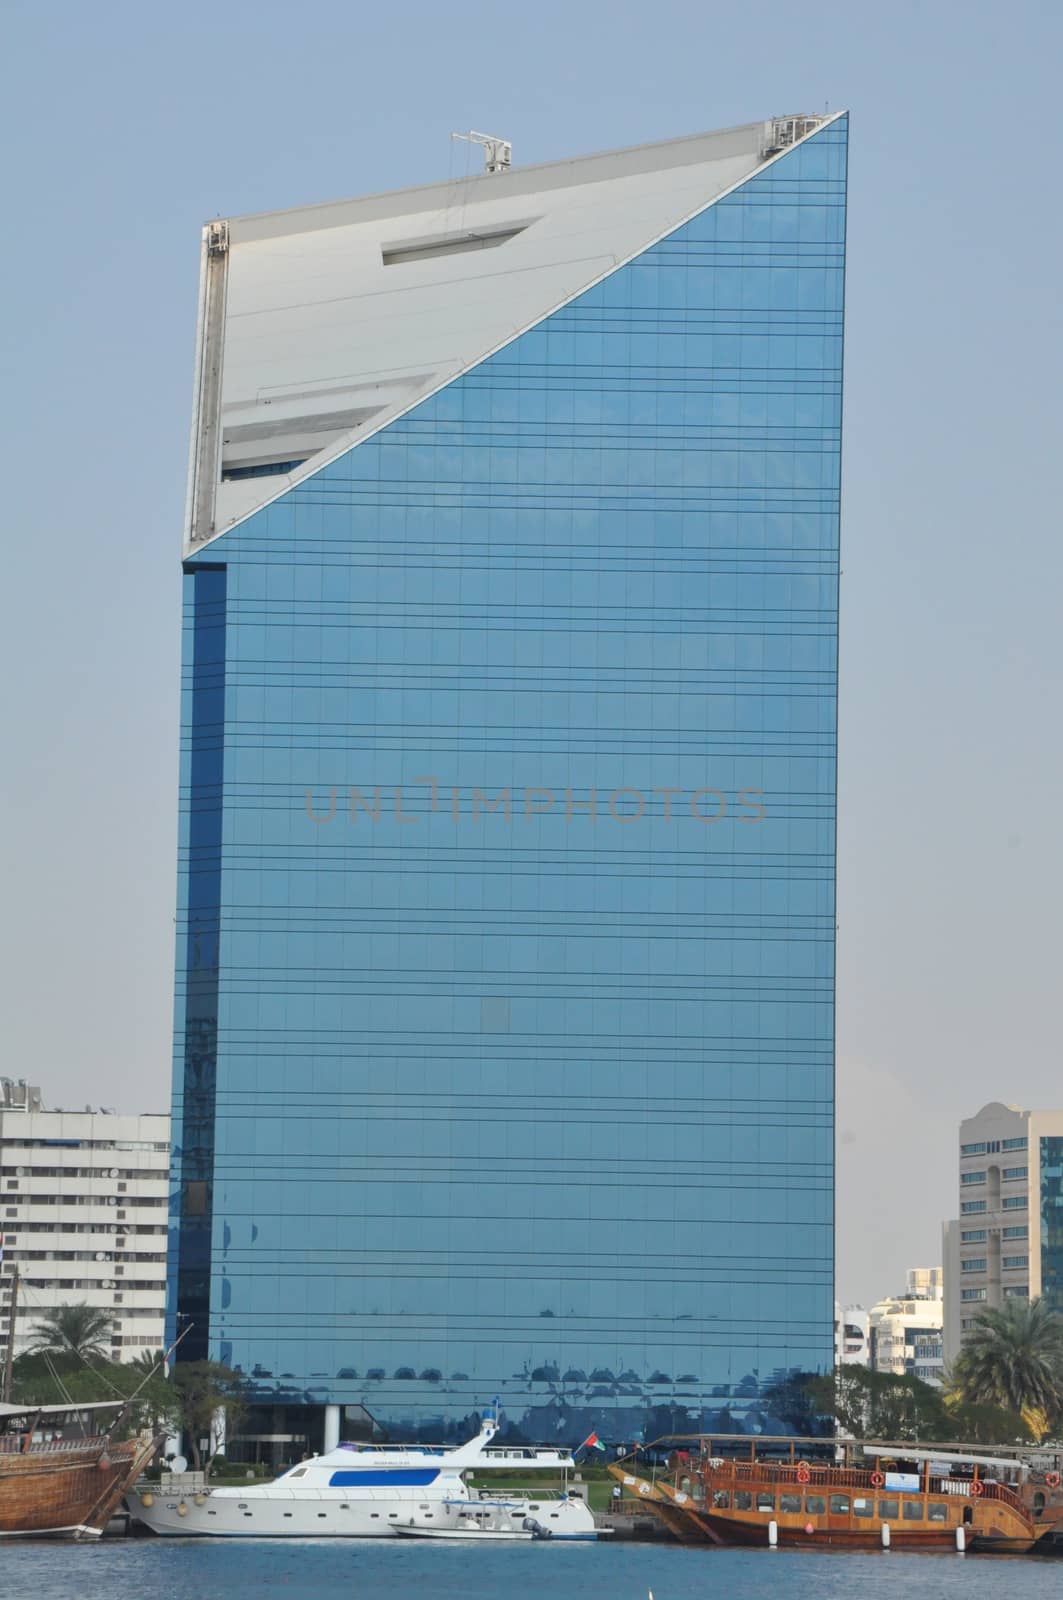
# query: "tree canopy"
[[1012, 1358], [77, 1330]]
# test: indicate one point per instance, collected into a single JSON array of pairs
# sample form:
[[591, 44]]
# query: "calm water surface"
[[162, 1569]]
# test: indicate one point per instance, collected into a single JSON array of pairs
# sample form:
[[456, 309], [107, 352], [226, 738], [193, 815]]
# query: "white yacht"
[[360, 1492]]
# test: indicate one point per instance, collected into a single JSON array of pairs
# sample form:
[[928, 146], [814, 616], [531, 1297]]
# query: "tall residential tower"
[[1007, 1243], [505, 994]]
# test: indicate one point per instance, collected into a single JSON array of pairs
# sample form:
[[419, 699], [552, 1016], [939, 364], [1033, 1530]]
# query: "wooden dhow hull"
[[66, 1490], [730, 1502]]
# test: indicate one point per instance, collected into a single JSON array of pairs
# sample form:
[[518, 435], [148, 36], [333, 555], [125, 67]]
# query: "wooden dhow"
[[805, 1492], [54, 1484]]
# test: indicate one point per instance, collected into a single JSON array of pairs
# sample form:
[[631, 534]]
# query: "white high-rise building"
[[1007, 1243], [852, 1336], [83, 1215], [906, 1336]]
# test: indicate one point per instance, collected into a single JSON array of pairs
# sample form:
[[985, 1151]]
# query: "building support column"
[[332, 1428]]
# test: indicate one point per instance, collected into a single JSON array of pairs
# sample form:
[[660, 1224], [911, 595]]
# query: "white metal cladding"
[[335, 318]]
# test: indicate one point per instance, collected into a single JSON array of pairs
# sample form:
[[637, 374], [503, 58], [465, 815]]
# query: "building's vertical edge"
[[199, 932], [844, 122], [205, 447], [197, 389]]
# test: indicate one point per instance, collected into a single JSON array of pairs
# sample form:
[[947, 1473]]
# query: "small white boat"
[[372, 1492], [481, 1525], [474, 1533]]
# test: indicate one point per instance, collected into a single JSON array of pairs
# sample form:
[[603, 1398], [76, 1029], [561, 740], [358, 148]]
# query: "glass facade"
[[504, 1047], [1052, 1220]]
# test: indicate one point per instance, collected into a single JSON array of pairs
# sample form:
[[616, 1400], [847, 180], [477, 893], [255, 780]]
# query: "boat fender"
[[1052, 1480], [147, 1500], [104, 1462], [803, 1472], [200, 1500], [877, 1480], [809, 1529], [976, 1487], [182, 1510]]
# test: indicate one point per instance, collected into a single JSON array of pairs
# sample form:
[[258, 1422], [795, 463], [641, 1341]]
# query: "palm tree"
[[1013, 1357], [79, 1330]]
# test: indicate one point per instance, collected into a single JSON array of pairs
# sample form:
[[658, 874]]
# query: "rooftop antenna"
[[498, 153]]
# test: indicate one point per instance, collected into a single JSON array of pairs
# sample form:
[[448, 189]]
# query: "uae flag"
[[592, 1442]]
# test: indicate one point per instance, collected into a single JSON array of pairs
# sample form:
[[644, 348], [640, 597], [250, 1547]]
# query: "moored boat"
[[60, 1476], [373, 1491], [852, 1495]]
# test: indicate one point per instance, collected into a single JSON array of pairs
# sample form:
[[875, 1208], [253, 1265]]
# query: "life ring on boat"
[[877, 1480], [976, 1488], [1052, 1480], [803, 1472]]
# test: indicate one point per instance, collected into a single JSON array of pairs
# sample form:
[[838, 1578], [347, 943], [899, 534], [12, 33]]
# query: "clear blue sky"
[[129, 124]]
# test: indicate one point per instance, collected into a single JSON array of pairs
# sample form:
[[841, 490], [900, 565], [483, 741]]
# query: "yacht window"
[[247, 1513], [815, 1505], [790, 1502], [889, 1510], [533, 1508], [765, 1501], [287, 1513], [743, 1500], [913, 1511], [863, 1508], [937, 1511], [839, 1505], [300, 1472], [554, 1514], [212, 1513], [721, 1500], [241, 1505], [321, 1513]]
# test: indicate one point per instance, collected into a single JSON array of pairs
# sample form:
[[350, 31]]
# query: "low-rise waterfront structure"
[[83, 1216]]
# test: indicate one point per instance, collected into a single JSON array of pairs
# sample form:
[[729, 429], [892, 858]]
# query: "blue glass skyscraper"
[[504, 1040]]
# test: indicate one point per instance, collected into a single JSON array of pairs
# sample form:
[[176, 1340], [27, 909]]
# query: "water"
[[394, 1569]]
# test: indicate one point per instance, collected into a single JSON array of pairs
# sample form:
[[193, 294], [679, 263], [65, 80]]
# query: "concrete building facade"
[[906, 1330], [1007, 1242], [852, 1336], [83, 1213]]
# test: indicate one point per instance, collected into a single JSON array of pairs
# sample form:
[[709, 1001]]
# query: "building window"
[[1013, 1202], [969, 1206], [1017, 1291], [973, 1149], [1020, 1231], [1014, 1144], [973, 1236], [973, 1177], [976, 1264], [972, 1294], [1011, 1263], [1011, 1174]]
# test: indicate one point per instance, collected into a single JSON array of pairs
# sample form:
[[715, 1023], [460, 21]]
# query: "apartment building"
[[852, 1335], [906, 1330], [83, 1207], [1007, 1243]]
